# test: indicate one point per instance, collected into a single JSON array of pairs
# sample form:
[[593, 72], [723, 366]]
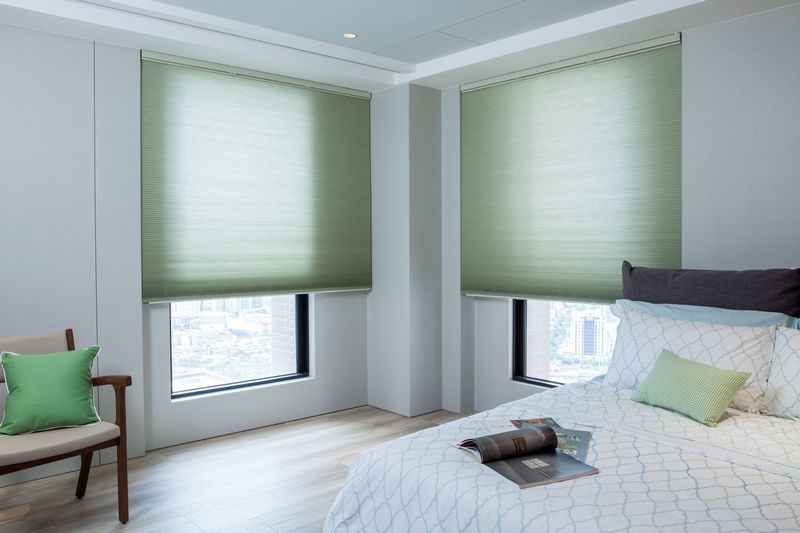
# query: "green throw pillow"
[[48, 391], [693, 389]]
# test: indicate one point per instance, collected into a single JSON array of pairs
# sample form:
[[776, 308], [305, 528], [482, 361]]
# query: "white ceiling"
[[407, 30], [436, 43]]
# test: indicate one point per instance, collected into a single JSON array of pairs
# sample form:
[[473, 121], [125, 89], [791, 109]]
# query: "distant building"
[[568, 342], [232, 339], [587, 337]]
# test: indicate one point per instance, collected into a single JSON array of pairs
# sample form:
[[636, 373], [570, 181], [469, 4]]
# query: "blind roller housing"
[[251, 186], [568, 173]]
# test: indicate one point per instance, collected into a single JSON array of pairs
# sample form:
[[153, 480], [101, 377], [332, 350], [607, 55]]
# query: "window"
[[251, 186], [566, 173], [234, 342], [561, 342]]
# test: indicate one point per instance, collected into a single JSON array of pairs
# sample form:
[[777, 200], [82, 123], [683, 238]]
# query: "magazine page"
[[546, 421], [541, 468], [514, 443], [574, 442]]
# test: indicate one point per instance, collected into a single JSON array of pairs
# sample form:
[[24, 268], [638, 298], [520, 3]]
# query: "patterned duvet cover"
[[659, 471]]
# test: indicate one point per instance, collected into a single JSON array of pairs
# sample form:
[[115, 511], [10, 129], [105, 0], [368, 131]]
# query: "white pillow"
[[641, 337], [783, 388]]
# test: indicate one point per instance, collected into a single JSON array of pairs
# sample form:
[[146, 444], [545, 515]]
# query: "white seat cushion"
[[16, 449]]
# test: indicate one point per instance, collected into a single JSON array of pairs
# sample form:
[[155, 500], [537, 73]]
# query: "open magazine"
[[529, 457], [573, 442]]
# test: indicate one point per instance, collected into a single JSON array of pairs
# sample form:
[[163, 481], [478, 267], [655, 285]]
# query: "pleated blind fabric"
[[251, 186], [567, 173]]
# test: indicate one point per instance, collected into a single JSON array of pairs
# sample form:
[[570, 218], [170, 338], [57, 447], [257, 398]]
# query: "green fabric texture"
[[48, 391], [251, 187], [698, 391], [567, 173]]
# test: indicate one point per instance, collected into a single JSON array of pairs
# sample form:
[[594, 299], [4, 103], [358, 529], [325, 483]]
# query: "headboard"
[[775, 289]]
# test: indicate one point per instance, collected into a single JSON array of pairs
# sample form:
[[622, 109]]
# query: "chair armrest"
[[114, 381], [119, 383]]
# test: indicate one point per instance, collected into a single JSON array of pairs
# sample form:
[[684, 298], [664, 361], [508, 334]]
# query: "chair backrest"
[[59, 341]]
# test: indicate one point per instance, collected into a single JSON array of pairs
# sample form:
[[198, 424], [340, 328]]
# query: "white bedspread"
[[659, 471]]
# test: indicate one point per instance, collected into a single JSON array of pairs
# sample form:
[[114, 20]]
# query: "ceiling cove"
[[438, 43]]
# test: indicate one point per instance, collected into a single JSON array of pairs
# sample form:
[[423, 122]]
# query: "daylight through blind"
[[251, 186], [567, 173]]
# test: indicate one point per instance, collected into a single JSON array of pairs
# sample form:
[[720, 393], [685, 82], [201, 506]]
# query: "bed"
[[659, 470]]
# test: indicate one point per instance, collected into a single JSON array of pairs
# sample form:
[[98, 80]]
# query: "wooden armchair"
[[18, 452]]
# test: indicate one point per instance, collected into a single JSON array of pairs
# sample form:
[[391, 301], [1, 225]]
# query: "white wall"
[[425, 260], [458, 363], [70, 142], [741, 132], [47, 192], [741, 126], [388, 304], [404, 307], [493, 383], [118, 230], [337, 378], [388, 314], [47, 185]]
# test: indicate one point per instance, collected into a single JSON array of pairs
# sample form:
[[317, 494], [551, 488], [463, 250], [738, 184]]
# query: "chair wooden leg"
[[83, 477], [122, 481]]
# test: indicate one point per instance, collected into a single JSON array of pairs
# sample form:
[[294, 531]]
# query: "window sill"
[[536, 381], [241, 385]]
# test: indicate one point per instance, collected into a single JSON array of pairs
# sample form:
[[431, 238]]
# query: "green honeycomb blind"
[[251, 186], [566, 174]]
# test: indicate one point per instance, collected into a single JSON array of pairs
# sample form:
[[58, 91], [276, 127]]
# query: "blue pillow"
[[714, 315]]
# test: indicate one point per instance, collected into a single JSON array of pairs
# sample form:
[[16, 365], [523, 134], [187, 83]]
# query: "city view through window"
[[568, 342], [229, 340]]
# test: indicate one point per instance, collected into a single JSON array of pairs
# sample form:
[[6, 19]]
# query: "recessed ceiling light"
[[349, 35]]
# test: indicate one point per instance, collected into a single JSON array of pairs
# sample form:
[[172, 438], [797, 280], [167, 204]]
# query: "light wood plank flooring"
[[274, 479]]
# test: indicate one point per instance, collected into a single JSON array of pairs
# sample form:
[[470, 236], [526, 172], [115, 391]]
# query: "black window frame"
[[519, 346], [302, 344]]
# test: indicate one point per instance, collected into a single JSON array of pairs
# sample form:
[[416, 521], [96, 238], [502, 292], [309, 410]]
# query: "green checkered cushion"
[[698, 391]]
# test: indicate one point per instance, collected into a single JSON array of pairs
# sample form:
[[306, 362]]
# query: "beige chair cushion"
[[16, 449], [35, 344]]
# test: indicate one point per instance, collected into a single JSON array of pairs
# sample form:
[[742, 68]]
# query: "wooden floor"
[[279, 478]]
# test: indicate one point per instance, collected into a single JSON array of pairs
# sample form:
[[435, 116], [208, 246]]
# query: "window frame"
[[302, 349], [519, 347]]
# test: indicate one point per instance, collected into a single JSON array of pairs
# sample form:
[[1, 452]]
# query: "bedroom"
[[71, 184]]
